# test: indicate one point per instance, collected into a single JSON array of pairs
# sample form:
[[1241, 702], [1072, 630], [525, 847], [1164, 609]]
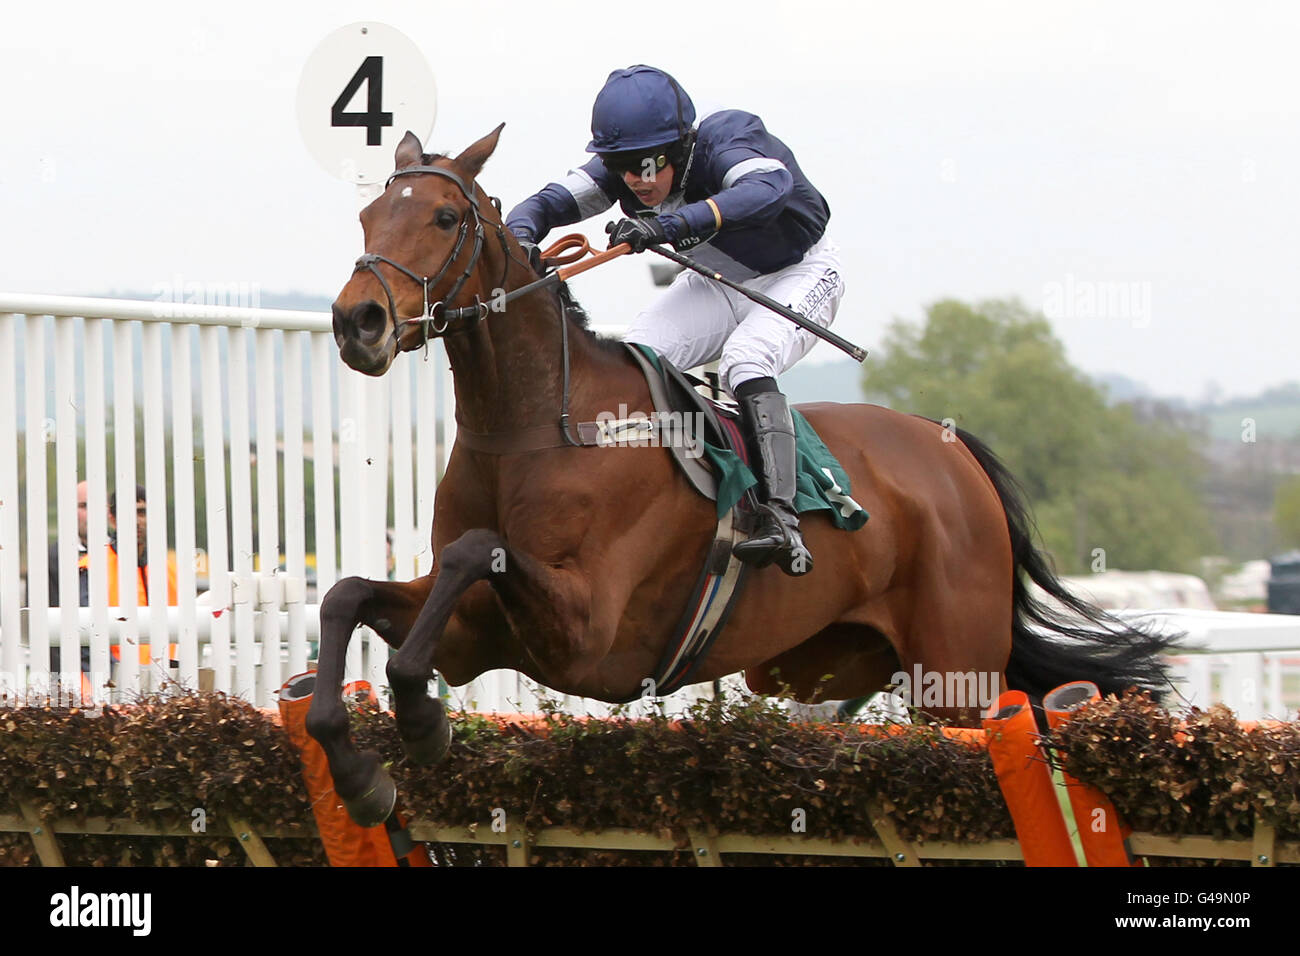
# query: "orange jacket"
[[141, 593]]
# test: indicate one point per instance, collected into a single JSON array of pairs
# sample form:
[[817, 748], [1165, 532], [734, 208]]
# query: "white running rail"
[[270, 397]]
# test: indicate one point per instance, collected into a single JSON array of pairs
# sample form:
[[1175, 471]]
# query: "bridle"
[[436, 317]]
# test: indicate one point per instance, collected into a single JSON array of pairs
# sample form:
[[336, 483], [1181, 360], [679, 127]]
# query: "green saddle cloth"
[[821, 484]]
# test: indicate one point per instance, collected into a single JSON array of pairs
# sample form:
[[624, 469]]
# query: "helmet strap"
[[688, 151]]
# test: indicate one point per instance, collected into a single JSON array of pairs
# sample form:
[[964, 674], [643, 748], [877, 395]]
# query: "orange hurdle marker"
[[1026, 782], [346, 844], [1103, 834]]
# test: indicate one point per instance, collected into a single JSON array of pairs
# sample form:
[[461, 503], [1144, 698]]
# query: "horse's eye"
[[446, 219]]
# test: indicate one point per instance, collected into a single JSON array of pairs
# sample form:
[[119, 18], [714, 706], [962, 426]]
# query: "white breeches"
[[699, 320]]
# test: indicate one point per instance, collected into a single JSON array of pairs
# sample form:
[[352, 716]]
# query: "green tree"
[[1286, 513], [1098, 477]]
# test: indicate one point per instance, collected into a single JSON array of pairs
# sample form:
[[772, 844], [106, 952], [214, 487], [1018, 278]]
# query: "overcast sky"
[[1130, 168]]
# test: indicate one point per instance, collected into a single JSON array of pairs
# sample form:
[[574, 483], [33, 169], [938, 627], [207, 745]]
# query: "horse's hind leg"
[[389, 608], [958, 646]]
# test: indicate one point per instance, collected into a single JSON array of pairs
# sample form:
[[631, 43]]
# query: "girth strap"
[[600, 434], [706, 613]]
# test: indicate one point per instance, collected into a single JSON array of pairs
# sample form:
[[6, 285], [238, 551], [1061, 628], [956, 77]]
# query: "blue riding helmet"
[[639, 108]]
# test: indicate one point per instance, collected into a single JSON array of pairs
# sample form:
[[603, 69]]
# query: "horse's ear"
[[470, 162], [409, 151]]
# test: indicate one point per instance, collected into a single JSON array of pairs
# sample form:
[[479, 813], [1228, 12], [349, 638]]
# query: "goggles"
[[636, 162]]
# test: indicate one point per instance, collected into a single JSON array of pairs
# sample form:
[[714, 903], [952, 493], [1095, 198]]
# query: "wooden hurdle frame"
[[1262, 849]]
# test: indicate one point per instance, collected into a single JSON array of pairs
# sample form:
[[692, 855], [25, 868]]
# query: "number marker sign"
[[363, 87]]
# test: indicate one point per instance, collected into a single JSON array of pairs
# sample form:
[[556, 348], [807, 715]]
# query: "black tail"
[[1097, 646]]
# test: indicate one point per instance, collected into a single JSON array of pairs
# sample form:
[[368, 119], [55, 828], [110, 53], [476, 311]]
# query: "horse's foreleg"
[[422, 720], [390, 608]]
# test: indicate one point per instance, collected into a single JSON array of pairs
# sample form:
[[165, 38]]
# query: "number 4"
[[374, 119]]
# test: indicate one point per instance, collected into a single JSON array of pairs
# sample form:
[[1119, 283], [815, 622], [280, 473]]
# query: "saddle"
[[677, 393]]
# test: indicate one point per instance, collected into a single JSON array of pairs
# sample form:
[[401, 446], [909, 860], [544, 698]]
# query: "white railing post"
[[68, 537], [128, 669], [13, 676], [155, 488], [214, 493], [351, 414], [1274, 703], [374, 523], [37, 533], [244, 594], [1244, 685], [270, 589], [295, 506], [97, 508], [183, 500], [323, 457]]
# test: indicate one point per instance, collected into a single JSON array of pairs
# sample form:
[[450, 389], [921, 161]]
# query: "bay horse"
[[572, 564]]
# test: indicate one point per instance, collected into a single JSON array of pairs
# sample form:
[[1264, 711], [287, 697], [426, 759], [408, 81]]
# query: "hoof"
[[432, 748], [373, 807]]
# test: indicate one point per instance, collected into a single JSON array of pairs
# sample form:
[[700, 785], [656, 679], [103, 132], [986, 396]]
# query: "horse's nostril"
[[371, 322], [367, 323]]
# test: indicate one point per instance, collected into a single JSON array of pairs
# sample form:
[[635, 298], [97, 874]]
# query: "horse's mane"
[[579, 318]]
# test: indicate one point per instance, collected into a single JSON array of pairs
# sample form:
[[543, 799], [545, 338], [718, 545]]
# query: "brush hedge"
[[736, 766]]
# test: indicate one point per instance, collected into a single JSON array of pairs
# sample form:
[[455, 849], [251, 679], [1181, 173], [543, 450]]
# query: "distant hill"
[[1275, 413]]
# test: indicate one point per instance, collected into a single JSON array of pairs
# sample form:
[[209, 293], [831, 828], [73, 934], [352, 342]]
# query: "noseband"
[[435, 316]]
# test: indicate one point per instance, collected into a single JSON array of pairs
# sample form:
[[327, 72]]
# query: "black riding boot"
[[771, 432]]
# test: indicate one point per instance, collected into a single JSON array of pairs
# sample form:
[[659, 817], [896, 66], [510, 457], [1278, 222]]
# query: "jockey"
[[730, 195]]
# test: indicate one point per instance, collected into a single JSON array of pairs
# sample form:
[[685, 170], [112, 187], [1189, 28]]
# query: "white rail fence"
[[235, 405], [270, 399], [1250, 662]]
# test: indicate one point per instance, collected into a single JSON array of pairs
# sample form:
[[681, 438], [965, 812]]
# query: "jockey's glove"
[[637, 233]]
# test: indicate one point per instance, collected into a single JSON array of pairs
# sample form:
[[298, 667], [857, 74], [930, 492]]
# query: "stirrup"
[[777, 540], [794, 558]]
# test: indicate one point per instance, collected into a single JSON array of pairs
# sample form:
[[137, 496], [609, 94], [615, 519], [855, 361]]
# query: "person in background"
[[83, 571], [140, 560], [142, 556]]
